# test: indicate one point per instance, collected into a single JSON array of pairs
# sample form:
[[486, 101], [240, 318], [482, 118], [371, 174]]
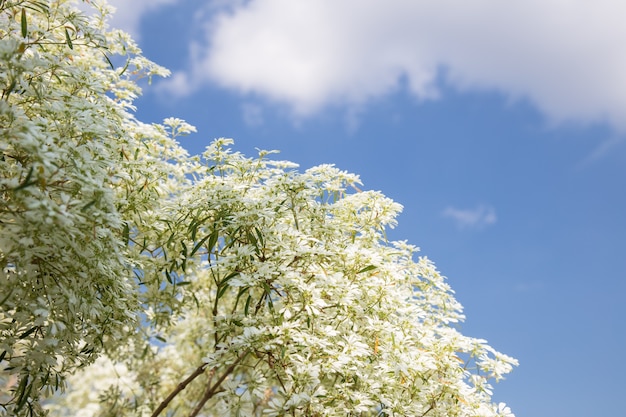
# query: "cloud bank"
[[565, 57]]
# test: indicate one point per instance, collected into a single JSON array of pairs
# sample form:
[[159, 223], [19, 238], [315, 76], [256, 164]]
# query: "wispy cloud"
[[603, 149], [481, 216], [565, 57], [252, 114]]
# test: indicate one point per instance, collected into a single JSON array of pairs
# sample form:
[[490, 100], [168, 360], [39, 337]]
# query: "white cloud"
[[478, 217], [565, 56]]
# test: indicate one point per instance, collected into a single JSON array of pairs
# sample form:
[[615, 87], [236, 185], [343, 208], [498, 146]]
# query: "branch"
[[199, 371], [212, 389]]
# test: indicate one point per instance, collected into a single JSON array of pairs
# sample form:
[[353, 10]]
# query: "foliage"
[[212, 285], [76, 172]]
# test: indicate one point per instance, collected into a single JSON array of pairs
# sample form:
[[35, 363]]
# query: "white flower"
[[270, 291]]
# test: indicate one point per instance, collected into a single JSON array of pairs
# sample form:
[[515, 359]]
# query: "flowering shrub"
[[77, 172], [217, 285]]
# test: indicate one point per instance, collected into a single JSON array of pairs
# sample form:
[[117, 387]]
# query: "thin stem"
[[211, 390], [199, 371]]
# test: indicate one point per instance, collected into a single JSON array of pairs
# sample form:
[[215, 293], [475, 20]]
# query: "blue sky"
[[499, 126]]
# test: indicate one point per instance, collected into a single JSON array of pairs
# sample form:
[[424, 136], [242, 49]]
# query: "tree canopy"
[[136, 280]]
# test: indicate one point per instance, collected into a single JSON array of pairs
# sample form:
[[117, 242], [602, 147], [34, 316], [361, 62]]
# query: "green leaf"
[[24, 23], [126, 233], [38, 6], [222, 290], [212, 241], [86, 206], [24, 393], [200, 243], [247, 306], [266, 288], [125, 67], [239, 294], [251, 238], [27, 332], [193, 228], [108, 60], [195, 300], [184, 252], [68, 39], [367, 268], [11, 86], [259, 236], [26, 181], [229, 277], [44, 380]]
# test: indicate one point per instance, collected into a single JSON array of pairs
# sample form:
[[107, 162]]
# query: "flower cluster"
[[291, 301], [77, 172], [215, 285]]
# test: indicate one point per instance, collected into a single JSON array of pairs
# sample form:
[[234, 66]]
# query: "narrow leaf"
[[86, 206], [68, 39], [125, 67], [199, 244], [251, 238], [126, 233], [108, 60], [212, 241], [27, 332], [367, 268], [24, 393], [241, 292], [24, 23], [44, 380], [193, 228], [221, 291], [26, 181], [229, 277], [43, 7], [260, 236], [247, 306]]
